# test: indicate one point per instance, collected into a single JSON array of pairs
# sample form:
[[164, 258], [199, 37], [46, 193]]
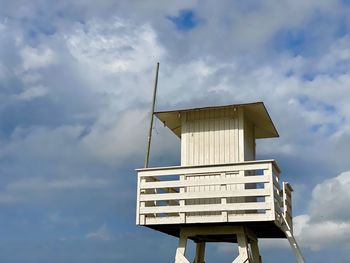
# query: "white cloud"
[[339, 53], [322, 235], [327, 223], [114, 47], [36, 58], [113, 139], [330, 199], [102, 233], [32, 93]]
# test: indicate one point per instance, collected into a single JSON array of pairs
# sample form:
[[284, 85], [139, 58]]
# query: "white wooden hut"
[[220, 193]]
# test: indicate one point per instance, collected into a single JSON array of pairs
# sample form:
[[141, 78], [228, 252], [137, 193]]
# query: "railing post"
[[138, 201], [181, 249], [241, 174], [142, 218], [270, 198], [182, 202], [223, 200]]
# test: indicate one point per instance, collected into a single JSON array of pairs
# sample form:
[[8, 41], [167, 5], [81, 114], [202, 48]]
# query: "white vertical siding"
[[210, 137], [249, 154], [215, 136], [249, 141]]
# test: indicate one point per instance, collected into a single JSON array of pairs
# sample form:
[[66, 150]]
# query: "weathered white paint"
[[244, 237], [172, 207], [216, 136], [249, 140], [218, 178], [210, 137]]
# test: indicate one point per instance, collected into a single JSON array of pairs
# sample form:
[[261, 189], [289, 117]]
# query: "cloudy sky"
[[75, 90]]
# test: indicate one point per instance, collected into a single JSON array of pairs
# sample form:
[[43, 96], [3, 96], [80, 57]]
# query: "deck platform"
[[266, 229]]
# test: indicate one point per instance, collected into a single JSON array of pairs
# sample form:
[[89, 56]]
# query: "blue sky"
[[75, 89]]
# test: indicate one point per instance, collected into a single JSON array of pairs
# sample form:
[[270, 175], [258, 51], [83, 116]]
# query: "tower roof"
[[256, 112]]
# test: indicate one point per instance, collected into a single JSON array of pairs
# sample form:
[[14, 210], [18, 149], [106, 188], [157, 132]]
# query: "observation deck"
[[247, 193]]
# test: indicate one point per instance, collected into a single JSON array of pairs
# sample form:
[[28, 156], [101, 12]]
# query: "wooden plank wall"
[[249, 141], [210, 137], [215, 136]]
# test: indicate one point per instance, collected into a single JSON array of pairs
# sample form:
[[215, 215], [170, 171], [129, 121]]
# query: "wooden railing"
[[237, 192]]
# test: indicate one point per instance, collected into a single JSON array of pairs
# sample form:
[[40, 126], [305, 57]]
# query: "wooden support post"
[[200, 253], [247, 243], [142, 205], [271, 198], [224, 200], [182, 203], [181, 249], [255, 250], [253, 240], [242, 247]]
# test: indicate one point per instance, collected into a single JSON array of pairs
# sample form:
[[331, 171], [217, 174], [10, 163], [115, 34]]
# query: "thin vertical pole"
[[152, 113]]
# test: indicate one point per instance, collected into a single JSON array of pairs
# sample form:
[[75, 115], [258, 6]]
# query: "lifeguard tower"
[[220, 193]]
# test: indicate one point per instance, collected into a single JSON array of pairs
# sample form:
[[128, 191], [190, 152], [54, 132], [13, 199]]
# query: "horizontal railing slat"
[[206, 182], [200, 170], [207, 219], [202, 195], [205, 208]]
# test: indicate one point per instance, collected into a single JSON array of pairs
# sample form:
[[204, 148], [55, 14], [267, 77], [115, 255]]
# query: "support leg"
[[255, 251], [242, 248], [200, 252], [246, 239], [181, 249]]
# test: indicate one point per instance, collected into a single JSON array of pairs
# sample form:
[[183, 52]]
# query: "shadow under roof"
[[256, 112]]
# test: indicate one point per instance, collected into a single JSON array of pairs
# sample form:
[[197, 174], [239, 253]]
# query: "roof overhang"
[[255, 112]]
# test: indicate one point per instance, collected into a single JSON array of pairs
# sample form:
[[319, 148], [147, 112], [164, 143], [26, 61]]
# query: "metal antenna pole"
[[152, 113]]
